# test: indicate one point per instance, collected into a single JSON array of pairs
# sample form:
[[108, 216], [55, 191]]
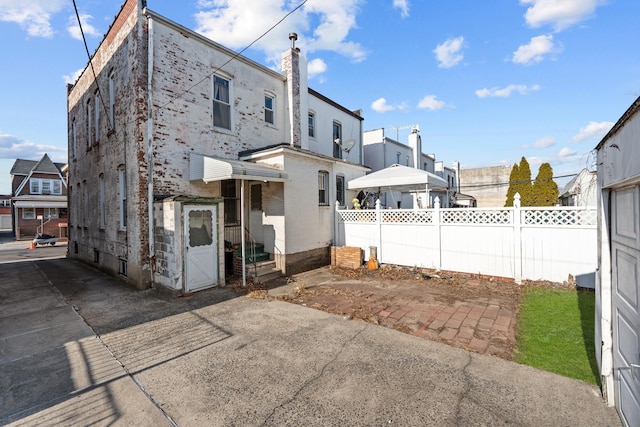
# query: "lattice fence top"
[[411, 216], [529, 216], [474, 216], [357, 215], [559, 217]]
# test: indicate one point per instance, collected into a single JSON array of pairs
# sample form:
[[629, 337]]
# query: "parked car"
[[44, 239]]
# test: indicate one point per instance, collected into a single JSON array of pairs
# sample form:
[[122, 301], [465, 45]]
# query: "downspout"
[[151, 254]]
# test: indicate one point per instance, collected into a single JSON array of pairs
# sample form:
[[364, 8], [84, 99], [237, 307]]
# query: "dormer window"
[[45, 186]]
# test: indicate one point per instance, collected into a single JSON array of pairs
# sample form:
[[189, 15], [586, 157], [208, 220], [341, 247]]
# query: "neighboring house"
[[5, 212], [183, 150], [618, 275], [39, 198], [488, 186], [381, 152], [580, 191]]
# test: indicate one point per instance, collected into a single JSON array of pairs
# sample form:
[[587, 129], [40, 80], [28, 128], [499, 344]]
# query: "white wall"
[[527, 243]]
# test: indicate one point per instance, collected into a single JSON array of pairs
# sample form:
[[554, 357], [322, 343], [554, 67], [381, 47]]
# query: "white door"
[[625, 254], [201, 244]]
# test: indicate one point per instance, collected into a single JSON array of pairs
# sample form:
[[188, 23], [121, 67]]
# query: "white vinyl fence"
[[520, 243]]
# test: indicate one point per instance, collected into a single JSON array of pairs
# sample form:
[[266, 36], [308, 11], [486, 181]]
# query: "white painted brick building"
[[178, 144]]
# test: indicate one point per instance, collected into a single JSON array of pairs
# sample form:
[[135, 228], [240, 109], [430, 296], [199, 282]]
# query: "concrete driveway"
[[220, 359]]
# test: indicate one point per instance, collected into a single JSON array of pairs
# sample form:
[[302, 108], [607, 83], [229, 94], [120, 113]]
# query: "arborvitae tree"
[[545, 190], [523, 185], [513, 179]]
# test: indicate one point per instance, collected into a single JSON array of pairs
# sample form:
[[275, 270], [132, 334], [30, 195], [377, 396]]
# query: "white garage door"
[[625, 252]]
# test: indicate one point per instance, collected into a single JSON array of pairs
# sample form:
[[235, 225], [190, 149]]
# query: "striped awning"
[[209, 169]]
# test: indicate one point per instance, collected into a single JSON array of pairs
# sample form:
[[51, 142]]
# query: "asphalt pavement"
[[78, 347]]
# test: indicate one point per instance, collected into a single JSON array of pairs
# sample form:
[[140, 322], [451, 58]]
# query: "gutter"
[[150, 146]]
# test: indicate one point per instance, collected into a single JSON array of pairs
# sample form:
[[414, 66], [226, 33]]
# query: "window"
[[50, 213], [122, 198], [221, 103], [231, 202], [256, 197], [101, 204], [112, 101], [269, 109], [45, 186], [312, 125], [323, 188], [85, 204], [398, 157], [96, 97], [122, 266], [28, 213], [34, 186], [337, 140], [5, 202], [74, 136], [340, 190], [89, 124]]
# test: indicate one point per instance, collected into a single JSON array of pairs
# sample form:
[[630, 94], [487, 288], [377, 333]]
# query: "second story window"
[[337, 140], [269, 109], [45, 186], [312, 125], [112, 101], [96, 123], [221, 102], [89, 124]]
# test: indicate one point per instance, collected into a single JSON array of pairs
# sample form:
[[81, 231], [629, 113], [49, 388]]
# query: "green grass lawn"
[[555, 332]]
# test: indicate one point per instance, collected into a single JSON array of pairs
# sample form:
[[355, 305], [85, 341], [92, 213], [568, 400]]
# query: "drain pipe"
[[151, 255]]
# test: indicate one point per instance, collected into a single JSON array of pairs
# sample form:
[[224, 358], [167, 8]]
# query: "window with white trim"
[[312, 124], [122, 198], [50, 213], [28, 213], [269, 109], [323, 188], [221, 102], [45, 186], [101, 202]]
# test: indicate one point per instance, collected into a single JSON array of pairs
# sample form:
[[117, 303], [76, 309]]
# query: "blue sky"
[[486, 81]]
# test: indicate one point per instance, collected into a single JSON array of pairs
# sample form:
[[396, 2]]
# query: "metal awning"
[[38, 204], [209, 169]]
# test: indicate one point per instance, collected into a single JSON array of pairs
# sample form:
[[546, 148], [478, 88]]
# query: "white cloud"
[[430, 102], [73, 77], [34, 16], [566, 152], [448, 53], [506, 91], [74, 29], [315, 67], [594, 130], [12, 147], [535, 50], [237, 23], [560, 14], [403, 5], [545, 142], [380, 105]]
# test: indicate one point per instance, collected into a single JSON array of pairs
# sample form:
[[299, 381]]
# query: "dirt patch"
[[473, 312]]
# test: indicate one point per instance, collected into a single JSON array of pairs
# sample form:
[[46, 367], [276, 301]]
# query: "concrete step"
[[263, 271]]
